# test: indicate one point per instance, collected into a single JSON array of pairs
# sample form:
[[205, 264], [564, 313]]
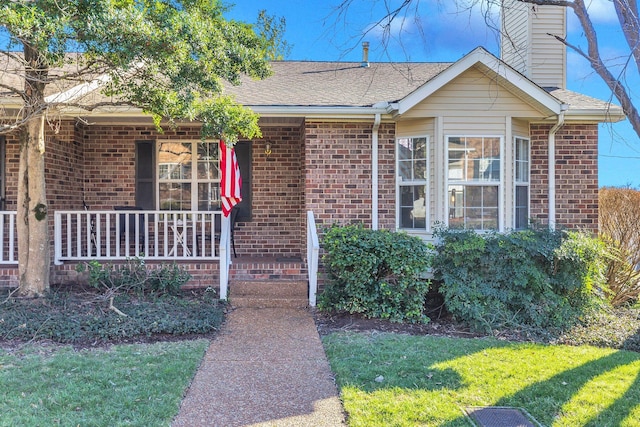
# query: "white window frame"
[[499, 183], [520, 182], [193, 179], [412, 183]]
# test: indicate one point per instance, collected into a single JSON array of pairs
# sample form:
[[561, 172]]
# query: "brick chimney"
[[526, 45]]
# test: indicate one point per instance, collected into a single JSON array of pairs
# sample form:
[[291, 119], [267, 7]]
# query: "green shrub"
[[531, 278], [375, 273], [133, 276]]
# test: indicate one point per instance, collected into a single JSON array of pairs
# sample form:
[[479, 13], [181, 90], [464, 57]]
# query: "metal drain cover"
[[497, 416]]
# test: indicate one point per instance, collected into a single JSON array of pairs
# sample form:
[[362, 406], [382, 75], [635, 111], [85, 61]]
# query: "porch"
[[200, 239]]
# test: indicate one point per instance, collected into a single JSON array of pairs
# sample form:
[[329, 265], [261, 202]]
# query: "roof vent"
[[365, 55]]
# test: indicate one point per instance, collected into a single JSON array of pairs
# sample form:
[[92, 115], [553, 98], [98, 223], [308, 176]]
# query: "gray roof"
[[579, 101], [349, 84], [325, 84], [305, 83]]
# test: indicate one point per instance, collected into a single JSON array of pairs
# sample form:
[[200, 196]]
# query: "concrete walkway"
[[267, 367]]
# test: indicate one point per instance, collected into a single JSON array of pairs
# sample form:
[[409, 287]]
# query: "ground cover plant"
[[126, 303], [84, 319], [129, 384], [404, 380]]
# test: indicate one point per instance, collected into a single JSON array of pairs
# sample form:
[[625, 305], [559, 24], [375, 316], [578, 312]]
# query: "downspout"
[[552, 166], [374, 172]]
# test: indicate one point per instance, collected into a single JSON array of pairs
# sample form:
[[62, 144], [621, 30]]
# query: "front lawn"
[[402, 380], [123, 385]]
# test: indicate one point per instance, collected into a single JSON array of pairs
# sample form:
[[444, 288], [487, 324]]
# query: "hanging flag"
[[230, 181]]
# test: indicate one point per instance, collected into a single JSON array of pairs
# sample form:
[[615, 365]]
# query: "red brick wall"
[[319, 166], [278, 220], [63, 175], [338, 172], [576, 176], [387, 176], [63, 167], [109, 157], [338, 181], [203, 274]]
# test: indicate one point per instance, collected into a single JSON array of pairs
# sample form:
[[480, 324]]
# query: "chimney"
[[365, 55], [527, 46]]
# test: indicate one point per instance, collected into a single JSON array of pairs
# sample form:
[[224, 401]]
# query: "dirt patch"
[[334, 322]]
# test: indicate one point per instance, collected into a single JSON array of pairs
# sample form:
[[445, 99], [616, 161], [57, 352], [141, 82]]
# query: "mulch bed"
[[328, 323]]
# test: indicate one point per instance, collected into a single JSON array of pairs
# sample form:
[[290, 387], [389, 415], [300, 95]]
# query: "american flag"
[[230, 181]]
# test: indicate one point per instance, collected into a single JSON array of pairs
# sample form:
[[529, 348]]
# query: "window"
[[473, 179], [413, 174], [522, 164], [188, 175]]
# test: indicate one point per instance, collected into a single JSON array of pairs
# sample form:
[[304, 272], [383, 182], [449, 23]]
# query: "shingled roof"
[[328, 84], [306, 83], [349, 84]]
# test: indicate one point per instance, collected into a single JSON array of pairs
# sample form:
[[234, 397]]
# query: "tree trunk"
[[33, 231]]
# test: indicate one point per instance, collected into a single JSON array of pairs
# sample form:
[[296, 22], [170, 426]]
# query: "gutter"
[[552, 166], [374, 172]]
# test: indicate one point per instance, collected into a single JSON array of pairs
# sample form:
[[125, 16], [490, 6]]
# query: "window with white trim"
[[188, 175], [412, 188], [473, 182], [522, 172]]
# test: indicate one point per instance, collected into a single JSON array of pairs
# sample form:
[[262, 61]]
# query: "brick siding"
[[278, 220], [316, 165], [338, 172], [576, 176]]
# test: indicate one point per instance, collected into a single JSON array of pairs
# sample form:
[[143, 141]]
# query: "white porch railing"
[[121, 234], [8, 238], [154, 235], [313, 249]]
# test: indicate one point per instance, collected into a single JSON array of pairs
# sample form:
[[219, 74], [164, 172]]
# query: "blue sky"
[[440, 32]]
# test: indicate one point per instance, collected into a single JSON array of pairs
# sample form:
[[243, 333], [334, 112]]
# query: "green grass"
[[428, 380], [124, 385]]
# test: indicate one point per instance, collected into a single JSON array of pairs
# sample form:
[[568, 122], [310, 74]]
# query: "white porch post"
[[225, 256]]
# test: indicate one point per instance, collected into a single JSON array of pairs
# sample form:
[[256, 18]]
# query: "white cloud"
[[601, 12], [437, 31]]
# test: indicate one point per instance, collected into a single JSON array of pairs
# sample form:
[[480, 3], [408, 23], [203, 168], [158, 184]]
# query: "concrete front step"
[[268, 294]]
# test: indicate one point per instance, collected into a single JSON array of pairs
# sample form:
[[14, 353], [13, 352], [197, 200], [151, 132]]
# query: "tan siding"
[[462, 125], [513, 45], [527, 46], [548, 57], [520, 128], [417, 127], [477, 95]]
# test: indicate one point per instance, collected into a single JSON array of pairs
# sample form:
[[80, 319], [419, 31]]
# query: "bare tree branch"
[[626, 10]]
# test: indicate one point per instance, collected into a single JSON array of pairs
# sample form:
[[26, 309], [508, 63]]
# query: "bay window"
[[473, 182], [522, 169], [412, 180]]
